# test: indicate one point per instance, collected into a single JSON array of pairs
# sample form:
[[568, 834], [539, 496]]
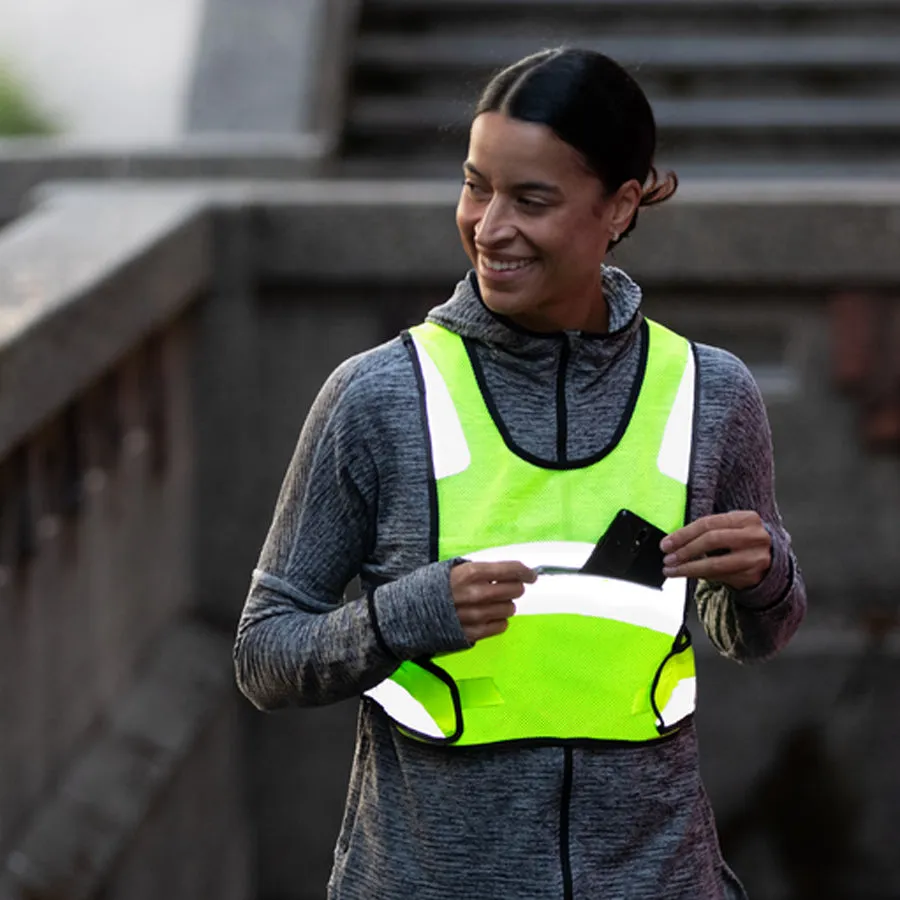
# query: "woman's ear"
[[623, 205]]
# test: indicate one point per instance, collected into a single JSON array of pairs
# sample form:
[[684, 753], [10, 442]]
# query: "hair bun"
[[656, 190]]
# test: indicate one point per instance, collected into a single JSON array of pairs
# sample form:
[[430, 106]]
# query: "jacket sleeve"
[[754, 624], [299, 640]]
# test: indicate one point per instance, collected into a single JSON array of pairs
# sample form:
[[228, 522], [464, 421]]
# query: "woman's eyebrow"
[[542, 186]]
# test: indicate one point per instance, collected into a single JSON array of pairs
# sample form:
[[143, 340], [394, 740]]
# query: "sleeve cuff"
[[778, 580], [414, 616]]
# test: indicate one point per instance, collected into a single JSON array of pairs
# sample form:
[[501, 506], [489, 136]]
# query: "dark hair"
[[595, 106]]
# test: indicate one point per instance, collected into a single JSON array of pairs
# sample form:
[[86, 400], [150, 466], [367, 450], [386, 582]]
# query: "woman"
[[526, 735]]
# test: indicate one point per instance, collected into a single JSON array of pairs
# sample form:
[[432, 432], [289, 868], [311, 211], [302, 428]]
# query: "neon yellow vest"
[[584, 658]]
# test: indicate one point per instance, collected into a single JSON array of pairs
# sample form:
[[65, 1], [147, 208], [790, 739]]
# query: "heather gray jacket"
[[547, 823]]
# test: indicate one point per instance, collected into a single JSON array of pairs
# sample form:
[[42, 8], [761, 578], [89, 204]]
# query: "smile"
[[495, 265]]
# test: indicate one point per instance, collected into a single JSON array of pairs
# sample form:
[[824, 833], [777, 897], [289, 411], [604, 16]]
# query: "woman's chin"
[[519, 311], [505, 298], [503, 303]]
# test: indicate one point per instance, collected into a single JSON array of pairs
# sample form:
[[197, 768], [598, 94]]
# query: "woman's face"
[[535, 223]]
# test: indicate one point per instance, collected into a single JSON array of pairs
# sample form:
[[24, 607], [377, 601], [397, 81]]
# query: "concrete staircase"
[[794, 86]]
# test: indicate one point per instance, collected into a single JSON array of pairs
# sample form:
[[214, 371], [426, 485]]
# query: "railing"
[[159, 346]]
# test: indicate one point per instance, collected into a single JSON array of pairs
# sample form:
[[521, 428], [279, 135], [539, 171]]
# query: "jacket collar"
[[465, 314]]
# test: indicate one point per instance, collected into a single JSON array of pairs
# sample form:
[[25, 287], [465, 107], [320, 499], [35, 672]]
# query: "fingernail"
[[669, 571], [669, 560], [665, 544]]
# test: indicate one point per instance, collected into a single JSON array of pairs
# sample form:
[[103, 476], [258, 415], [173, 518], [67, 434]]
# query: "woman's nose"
[[494, 226]]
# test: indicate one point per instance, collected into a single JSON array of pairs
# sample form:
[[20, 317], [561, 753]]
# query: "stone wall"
[[119, 720], [97, 561]]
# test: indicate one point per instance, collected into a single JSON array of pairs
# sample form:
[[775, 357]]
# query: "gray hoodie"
[[548, 823]]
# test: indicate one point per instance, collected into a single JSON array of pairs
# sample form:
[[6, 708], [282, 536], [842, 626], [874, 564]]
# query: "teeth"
[[496, 266]]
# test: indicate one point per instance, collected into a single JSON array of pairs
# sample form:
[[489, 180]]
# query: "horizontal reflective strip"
[[682, 702], [403, 708], [674, 457], [590, 595], [606, 598], [571, 554], [449, 451]]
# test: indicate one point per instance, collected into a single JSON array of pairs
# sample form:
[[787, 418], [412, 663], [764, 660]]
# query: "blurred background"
[[205, 205]]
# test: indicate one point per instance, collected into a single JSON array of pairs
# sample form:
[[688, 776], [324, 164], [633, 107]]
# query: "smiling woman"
[[561, 149], [526, 727]]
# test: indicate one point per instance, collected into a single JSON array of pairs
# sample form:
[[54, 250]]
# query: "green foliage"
[[19, 115]]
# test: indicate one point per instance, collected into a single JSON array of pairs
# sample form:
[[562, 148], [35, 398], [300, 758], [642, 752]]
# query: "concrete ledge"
[[803, 234], [73, 841], [26, 163], [96, 266], [84, 278]]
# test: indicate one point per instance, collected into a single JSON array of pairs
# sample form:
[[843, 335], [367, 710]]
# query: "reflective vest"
[[585, 658]]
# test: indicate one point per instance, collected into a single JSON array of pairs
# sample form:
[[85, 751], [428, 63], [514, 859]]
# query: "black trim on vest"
[[434, 522], [689, 498], [681, 643], [429, 666], [579, 743], [472, 278], [683, 639], [564, 813], [625, 421]]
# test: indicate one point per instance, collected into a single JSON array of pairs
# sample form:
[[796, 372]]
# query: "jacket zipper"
[[565, 861], [562, 412]]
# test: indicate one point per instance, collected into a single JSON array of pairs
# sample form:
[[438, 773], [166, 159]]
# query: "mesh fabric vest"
[[585, 658]]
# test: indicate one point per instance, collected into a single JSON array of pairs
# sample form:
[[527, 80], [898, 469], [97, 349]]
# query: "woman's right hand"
[[483, 593]]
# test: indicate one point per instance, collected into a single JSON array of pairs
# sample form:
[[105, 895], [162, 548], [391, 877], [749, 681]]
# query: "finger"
[[716, 522], [491, 592], [719, 542], [479, 632], [480, 615], [723, 568], [509, 570]]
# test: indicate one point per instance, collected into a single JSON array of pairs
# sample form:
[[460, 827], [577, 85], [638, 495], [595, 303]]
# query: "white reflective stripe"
[[572, 554], [402, 707], [682, 702], [449, 450], [606, 598], [674, 457], [589, 595]]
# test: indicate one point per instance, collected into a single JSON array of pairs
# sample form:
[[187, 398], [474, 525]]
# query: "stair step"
[[431, 165], [416, 114], [374, 7], [463, 53], [736, 82]]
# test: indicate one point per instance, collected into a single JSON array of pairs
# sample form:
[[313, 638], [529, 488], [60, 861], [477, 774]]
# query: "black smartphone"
[[629, 550]]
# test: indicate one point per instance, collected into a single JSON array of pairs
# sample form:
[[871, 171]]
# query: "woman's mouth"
[[504, 268]]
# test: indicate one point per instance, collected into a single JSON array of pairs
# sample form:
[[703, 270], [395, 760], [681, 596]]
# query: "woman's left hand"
[[731, 548]]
